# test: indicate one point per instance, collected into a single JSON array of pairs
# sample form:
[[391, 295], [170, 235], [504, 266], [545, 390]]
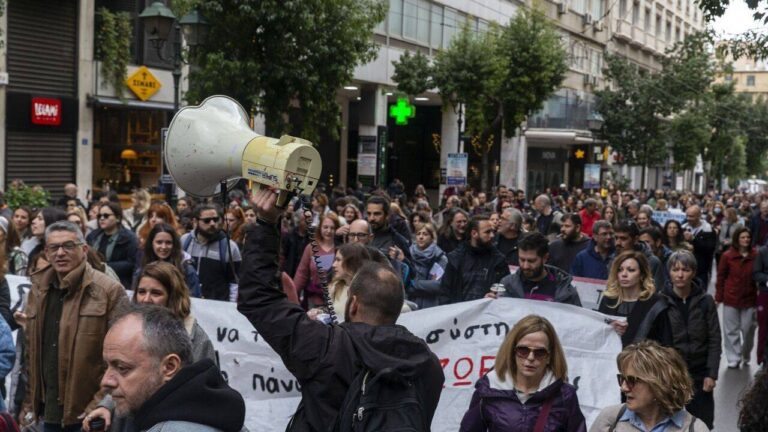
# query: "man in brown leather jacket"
[[66, 318]]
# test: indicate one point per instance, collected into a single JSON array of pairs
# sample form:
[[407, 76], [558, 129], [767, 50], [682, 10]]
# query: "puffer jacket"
[[735, 286], [493, 409], [566, 292], [92, 302], [697, 338], [471, 272]]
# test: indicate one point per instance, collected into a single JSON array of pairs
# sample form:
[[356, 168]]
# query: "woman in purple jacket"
[[527, 389]]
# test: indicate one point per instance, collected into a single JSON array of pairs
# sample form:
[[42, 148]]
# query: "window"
[[436, 33], [728, 78], [668, 35], [647, 20], [396, 17], [410, 18], [658, 26], [579, 6], [622, 9], [750, 80], [597, 9], [677, 34], [635, 13], [450, 26]]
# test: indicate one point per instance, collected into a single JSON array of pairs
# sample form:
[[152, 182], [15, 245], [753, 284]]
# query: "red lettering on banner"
[[483, 368], [46, 111], [458, 375]]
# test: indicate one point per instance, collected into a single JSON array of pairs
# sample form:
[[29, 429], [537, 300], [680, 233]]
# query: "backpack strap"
[[544, 414], [618, 417], [187, 242]]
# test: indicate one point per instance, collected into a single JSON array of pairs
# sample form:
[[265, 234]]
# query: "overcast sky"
[[737, 19]]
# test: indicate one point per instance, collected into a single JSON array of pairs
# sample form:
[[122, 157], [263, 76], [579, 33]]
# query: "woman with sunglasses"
[[116, 243], [631, 293], [656, 384], [527, 390]]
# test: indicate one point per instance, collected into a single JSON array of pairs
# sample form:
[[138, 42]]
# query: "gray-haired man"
[[66, 317]]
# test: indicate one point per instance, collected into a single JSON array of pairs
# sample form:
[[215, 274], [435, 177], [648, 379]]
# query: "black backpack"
[[385, 401]]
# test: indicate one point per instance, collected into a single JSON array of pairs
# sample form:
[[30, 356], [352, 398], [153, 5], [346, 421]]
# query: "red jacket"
[[735, 286], [587, 220]]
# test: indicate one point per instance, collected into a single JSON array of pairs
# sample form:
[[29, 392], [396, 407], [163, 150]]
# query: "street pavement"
[[731, 384]]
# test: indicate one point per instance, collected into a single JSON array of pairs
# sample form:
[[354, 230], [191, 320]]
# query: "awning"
[[113, 102]]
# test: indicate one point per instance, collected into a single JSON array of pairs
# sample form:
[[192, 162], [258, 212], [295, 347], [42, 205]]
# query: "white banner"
[[464, 336]]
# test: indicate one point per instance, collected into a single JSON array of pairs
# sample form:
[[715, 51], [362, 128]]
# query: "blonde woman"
[[527, 390], [137, 215], [631, 294], [657, 386]]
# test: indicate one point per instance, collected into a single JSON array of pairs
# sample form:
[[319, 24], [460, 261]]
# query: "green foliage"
[[274, 55], [19, 194], [412, 73], [114, 48], [754, 123], [689, 134], [753, 42]]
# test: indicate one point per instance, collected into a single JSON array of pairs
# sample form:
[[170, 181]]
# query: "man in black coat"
[[474, 266], [325, 359]]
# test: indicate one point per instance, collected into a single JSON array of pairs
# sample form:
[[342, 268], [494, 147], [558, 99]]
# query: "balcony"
[[638, 36], [566, 109], [623, 30]]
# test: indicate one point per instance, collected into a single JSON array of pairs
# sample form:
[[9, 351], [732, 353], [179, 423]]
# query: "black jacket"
[[123, 258], [562, 252], [695, 332], [292, 249], [760, 269], [470, 273], [325, 359], [704, 246], [386, 237], [649, 319], [197, 394]]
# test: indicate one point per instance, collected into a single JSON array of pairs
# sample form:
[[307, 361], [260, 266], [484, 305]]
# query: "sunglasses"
[[630, 380], [524, 352], [210, 219], [105, 215]]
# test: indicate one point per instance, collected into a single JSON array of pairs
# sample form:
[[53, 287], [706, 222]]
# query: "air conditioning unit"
[[599, 26], [586, 19], [562, 9]]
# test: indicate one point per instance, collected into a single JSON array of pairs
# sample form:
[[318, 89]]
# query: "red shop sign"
[[46, 111]]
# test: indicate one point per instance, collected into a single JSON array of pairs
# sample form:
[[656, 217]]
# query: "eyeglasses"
[[210, 219], [630, 380], [357, 235], [105, 215], [524, 352], [68, 247]]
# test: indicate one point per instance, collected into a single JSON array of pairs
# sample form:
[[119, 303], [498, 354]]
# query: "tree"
[[753, 42], [499, 76], [689, 134], [633, 112], [279, 56], [753, 125]]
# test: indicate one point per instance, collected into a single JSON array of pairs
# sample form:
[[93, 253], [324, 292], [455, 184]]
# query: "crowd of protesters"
[[657, 253]]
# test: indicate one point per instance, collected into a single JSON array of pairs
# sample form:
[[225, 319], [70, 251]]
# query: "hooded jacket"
[[197, 399], [216, 273], [326, 359], [493, 409], [566, 292], [470, 273], [696, 334]]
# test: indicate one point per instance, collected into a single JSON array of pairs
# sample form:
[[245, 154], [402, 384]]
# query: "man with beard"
[[327, 359], [594, 261], [474, 266], [563, 250], [536, 280], [217, 262], [702, 237], [510, 231], [153, 381], [385, 239]]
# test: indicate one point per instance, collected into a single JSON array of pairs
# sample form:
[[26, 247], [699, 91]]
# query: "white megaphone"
[[212, 143]]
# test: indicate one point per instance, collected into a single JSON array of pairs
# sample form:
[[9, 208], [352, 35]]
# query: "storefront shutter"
[[41, 158]]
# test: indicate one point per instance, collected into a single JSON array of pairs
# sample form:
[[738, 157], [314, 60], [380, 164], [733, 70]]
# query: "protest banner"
[[590, 290], [464, 336], [663, 216]]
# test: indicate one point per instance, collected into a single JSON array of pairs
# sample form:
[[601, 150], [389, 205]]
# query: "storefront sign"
[[457, 169], [46, 111], [143, 84]]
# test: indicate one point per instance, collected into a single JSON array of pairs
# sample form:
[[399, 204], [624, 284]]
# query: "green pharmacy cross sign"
[[402, 111]]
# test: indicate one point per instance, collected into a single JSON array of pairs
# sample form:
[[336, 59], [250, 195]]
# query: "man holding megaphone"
[[340, 366]]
